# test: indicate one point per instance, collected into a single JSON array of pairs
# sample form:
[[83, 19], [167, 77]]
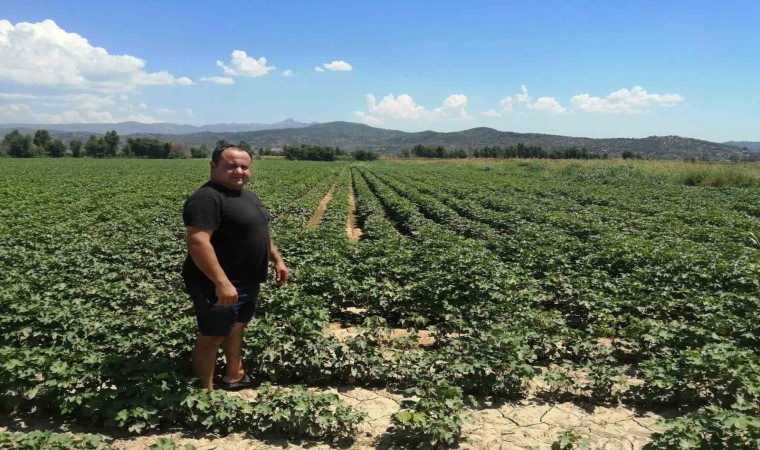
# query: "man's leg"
[[204, 359], [233, 354]]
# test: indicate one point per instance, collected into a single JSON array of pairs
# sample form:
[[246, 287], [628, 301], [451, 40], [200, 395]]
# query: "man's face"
[[233, 169]]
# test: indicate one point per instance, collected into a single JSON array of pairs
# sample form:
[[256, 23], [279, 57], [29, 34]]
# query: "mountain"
[[351, 136], [126, 128], [750, 145]]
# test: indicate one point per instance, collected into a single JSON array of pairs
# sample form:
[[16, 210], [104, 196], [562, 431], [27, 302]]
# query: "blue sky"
[[582, 68]]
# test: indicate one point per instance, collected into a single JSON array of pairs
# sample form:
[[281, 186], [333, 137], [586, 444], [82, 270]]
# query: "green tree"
[[245, 146], [42, 139], [56, 148], [364, 155], [111, 139], [95, 147], [200, 152], [75, 145], [148, 147], [19, 146]]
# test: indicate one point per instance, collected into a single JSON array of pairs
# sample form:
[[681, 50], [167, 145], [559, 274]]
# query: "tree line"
[[514, 151], [306, 152], [41, 143], [110, 145]]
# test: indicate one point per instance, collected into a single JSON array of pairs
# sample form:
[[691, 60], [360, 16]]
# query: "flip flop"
[[243, 383]]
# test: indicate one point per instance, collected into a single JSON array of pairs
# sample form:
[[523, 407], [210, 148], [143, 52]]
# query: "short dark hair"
[[217, 153]]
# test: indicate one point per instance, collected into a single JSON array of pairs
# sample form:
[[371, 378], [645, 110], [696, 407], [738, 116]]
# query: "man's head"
[[230, 167]]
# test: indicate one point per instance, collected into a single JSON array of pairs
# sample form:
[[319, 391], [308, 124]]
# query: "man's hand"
[[281, 273], [226, 294]]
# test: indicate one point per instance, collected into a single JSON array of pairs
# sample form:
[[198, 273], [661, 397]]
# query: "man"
[[229, 248]]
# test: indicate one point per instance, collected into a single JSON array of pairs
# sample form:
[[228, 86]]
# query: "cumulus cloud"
[[287, 73], [219, 80], [339, 66], [190, 112], [491, 113], [44, 54], [454, 105], [549, 105], [403, 107], [625, 101], [507, 104], [164, 111], [242, 65]]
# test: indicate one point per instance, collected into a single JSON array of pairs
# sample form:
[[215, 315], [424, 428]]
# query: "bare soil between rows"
[[354, 233], [317, 216]]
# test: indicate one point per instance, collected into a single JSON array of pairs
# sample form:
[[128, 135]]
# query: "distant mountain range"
[[126, 128], [351, 136]]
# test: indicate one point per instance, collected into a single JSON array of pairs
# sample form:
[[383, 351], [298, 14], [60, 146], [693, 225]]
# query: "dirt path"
[[352, 231], [317, 216]]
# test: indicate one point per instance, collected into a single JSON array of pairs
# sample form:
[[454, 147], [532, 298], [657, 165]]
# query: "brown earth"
[[317, 216], [352, 231]]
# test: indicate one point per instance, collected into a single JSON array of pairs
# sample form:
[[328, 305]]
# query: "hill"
[[126, 128], [351, 136], [750, 145]]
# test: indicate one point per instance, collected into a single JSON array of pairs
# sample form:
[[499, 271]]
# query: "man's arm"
[[203, 254], [280, 269]]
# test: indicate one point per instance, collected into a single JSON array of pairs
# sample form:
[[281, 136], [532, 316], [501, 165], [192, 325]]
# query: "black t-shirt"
[[241, 232]]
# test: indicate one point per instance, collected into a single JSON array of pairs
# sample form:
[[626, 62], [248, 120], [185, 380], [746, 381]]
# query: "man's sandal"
[[243, 383]]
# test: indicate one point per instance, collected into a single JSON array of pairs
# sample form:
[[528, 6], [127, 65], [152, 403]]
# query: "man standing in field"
[[229, 248]]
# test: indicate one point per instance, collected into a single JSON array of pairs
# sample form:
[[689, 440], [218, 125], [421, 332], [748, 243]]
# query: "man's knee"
[[209, 342]]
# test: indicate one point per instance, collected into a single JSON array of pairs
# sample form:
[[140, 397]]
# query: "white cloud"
[[143, 106], [549, 105], [523, 96], [219, 80], [24, 113], [44, 54], [625, 101], [165, 111], [287, 73], [243, 65], [392, 107], [491, 113], [319, 69], [162, 77], [454, 105], [340, 66], [403, 107], [508, 103], [190, 112]]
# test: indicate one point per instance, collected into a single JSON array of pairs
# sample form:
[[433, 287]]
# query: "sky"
[[575, 68]]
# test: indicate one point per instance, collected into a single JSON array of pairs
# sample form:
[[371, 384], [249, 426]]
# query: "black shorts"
[[217, 320]]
